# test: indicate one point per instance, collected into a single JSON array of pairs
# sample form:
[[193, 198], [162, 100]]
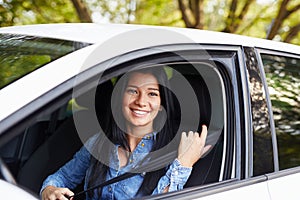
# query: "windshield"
[[20, 55]]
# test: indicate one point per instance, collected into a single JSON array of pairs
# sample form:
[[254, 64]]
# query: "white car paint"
[[94, 33], [257, 191], [10, 191], [285, 187]]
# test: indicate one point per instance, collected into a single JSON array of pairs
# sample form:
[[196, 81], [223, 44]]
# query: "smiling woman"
[[141, 102], [141, 122]]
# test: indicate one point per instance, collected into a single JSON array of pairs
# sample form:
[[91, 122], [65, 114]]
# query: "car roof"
[[97, 33]]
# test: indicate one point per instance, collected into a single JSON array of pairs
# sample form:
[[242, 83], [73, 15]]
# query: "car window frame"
[[62, 92]]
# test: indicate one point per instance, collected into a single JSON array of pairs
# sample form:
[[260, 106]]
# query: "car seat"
[[64, 142], [207, 169]]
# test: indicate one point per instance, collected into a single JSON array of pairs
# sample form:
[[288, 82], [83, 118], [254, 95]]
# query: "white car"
[[55, 82]]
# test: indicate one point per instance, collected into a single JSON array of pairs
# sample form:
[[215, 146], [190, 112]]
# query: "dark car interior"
[[52, 140]]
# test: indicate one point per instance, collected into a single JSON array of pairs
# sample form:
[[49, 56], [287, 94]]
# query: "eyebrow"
[[156, 89], [153, 89]]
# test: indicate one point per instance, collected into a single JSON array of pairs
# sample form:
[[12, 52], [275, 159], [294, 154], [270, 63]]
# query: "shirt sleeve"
[[73, 172], [175, 177]]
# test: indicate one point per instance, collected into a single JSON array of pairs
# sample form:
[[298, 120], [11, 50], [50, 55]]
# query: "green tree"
[[19, 12], [158, 12], [272, 20], [287, 9], [82, 11]]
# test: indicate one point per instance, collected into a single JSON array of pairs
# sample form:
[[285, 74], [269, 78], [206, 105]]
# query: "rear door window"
[[20, 55], [283, 79]]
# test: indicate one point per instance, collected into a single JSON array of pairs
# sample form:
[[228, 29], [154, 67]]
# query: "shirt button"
[[143, 144], [131, 160], [176, 172], [109, 189]]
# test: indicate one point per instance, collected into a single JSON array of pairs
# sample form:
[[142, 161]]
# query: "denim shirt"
[[74, 171]]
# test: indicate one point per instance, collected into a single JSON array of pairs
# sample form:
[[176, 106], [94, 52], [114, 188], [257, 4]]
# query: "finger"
[[62, 193], [59, 196], [183, 135], [55, 195], [63, 197], [190, 134], [67, 192], [204, 132]]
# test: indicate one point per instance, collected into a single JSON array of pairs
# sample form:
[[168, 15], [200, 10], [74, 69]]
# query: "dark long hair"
[[163, 123]]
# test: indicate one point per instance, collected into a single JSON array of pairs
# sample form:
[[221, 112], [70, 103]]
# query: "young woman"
[[140, 124]]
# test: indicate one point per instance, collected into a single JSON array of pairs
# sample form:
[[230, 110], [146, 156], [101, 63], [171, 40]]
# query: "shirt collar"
[[150, 136]]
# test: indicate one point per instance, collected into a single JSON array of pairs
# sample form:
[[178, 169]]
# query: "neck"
[[135, 135]]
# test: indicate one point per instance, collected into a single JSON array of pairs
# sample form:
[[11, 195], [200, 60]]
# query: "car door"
[[213, 78]]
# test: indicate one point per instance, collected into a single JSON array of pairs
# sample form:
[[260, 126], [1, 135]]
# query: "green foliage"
[[283, 78], [158, 12], [217, 10], [15, 66], [20, 55], [20, 12], [112, 11]]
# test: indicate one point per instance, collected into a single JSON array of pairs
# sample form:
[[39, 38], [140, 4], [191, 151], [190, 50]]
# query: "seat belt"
[[155, 163], [146, 165]]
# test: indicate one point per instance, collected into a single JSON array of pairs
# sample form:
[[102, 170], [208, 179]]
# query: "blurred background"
[[272, 19]]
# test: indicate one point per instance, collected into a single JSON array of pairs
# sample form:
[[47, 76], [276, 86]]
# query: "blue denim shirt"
[[73, 172]]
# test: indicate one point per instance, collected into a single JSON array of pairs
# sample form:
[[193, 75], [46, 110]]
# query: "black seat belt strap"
[[146, 165]]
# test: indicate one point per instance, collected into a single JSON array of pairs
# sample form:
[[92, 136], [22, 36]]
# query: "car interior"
[[53, 139]]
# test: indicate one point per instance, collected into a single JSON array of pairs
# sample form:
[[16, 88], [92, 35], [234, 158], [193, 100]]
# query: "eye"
[[131, 91], [154, 94]]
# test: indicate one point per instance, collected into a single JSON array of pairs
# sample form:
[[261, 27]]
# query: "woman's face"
[[141, 100]]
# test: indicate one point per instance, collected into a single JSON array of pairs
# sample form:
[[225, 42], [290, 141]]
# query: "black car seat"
[[19, 149], [207, 169], [64, 142]]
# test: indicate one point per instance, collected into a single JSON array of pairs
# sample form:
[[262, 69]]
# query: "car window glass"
[[20, 55], [283, 78]]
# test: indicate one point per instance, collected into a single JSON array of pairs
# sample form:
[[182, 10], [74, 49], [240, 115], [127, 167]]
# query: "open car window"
[[201, 97]]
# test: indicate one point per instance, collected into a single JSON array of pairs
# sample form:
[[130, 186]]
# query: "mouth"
[[139, 113]]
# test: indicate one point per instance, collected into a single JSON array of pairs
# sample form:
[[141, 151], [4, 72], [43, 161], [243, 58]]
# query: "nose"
[[141, 100]]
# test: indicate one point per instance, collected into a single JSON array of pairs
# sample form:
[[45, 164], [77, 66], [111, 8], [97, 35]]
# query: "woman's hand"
[[54, 193], [192, 147]]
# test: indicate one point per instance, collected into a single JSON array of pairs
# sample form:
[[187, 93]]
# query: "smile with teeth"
[[140, 112]]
